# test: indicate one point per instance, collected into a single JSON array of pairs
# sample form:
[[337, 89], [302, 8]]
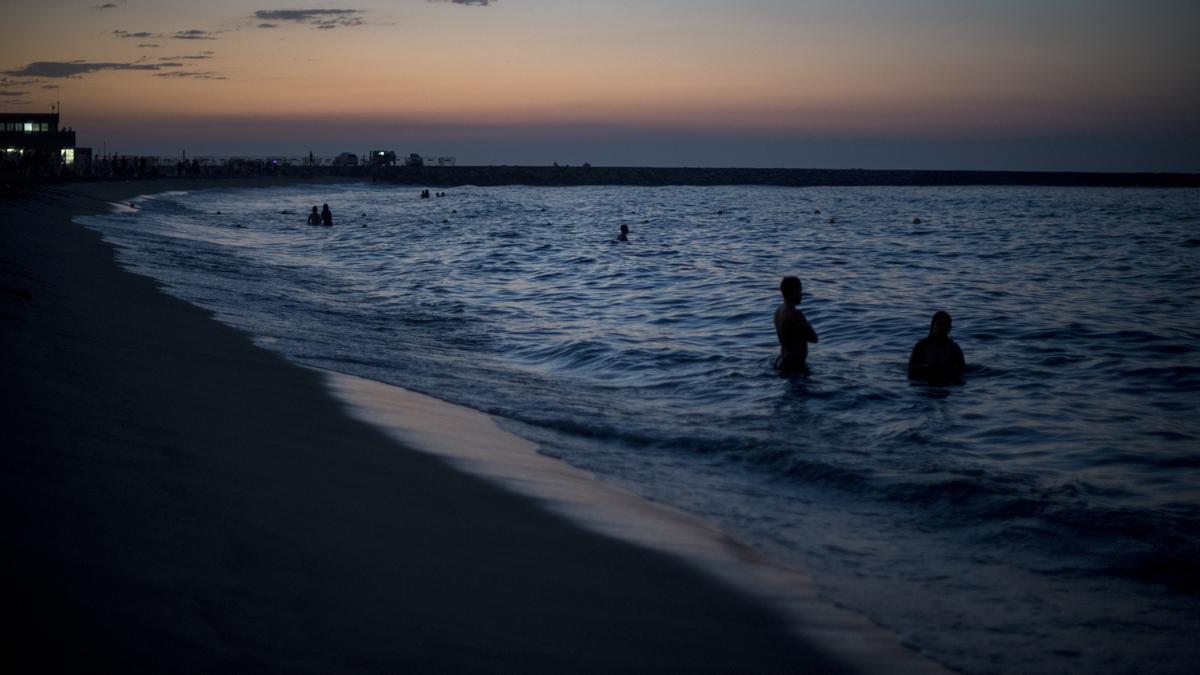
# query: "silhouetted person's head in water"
[[326, 215], [624, 236], [792, 329], [937, 358], [314, 218]]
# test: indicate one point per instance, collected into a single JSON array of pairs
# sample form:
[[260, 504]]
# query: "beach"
[[181, 500]]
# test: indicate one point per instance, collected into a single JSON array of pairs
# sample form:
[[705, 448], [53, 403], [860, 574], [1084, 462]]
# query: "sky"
[[1090, 85]]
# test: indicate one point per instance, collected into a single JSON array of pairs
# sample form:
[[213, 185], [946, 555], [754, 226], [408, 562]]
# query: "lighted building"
[[35, 137]]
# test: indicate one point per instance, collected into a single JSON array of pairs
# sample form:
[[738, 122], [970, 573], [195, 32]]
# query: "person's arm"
[[809, 333]]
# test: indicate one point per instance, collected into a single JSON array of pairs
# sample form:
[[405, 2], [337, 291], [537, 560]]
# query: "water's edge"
[[472, 442]]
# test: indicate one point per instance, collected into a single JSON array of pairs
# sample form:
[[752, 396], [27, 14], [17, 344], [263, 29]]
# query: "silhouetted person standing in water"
[[792, 328], [624, 236], [937, 358], [314, 218], [326, 216]]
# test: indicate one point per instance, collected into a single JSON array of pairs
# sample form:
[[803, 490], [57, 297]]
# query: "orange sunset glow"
[[751, 83]]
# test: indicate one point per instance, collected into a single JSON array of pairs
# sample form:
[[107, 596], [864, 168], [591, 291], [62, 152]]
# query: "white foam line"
[[473, 442]]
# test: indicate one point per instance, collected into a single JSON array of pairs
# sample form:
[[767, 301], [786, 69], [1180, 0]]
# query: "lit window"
[[68, 156], [45, 126], [28, 127]]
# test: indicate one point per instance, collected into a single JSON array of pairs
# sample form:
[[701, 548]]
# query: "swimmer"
[[314, 218], [936, 358], [326, 216], [624, 236], [792, 328]]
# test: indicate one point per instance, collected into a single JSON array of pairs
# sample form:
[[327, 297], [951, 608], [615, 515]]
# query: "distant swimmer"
[[314, 218], [624, 236], [792, 328], [937, 358], [326, 216]]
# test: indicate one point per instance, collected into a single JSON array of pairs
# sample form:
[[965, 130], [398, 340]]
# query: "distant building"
[[382, 158], [346, 159], [36, 138]]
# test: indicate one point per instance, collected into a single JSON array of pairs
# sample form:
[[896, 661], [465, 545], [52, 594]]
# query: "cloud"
[[474, 3], [107, 5], [194, 34], [12, 93], [139, 34], [195, 75], [65, 69], [320, 18], [146, 45], [191, 57], [5, 83], [49, 86]]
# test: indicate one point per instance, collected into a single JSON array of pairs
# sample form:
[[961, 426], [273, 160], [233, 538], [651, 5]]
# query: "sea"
[[1043, 516]]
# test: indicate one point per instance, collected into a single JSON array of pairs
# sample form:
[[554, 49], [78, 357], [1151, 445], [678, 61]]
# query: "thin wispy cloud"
[[188, 57], [6, 83], [147, 45], [194, 34], [135, 34], [68, 69], [195, 75], [473, 3], [12, 93], [107, 5], [318, 18], [49, 86]]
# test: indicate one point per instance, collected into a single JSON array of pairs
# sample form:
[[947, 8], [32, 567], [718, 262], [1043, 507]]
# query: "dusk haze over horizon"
[[931, 84]]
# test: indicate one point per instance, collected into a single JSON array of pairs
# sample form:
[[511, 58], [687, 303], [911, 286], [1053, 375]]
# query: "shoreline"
[[472, 441], [183, 500]]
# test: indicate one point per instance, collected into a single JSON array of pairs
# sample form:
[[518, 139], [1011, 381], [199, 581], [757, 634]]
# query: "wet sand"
[[180, 500]]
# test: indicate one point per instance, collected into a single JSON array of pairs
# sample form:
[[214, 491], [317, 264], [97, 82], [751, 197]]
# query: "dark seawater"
[[1044, 517]]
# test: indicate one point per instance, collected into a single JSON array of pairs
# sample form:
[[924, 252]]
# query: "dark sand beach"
[[180, 500]]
